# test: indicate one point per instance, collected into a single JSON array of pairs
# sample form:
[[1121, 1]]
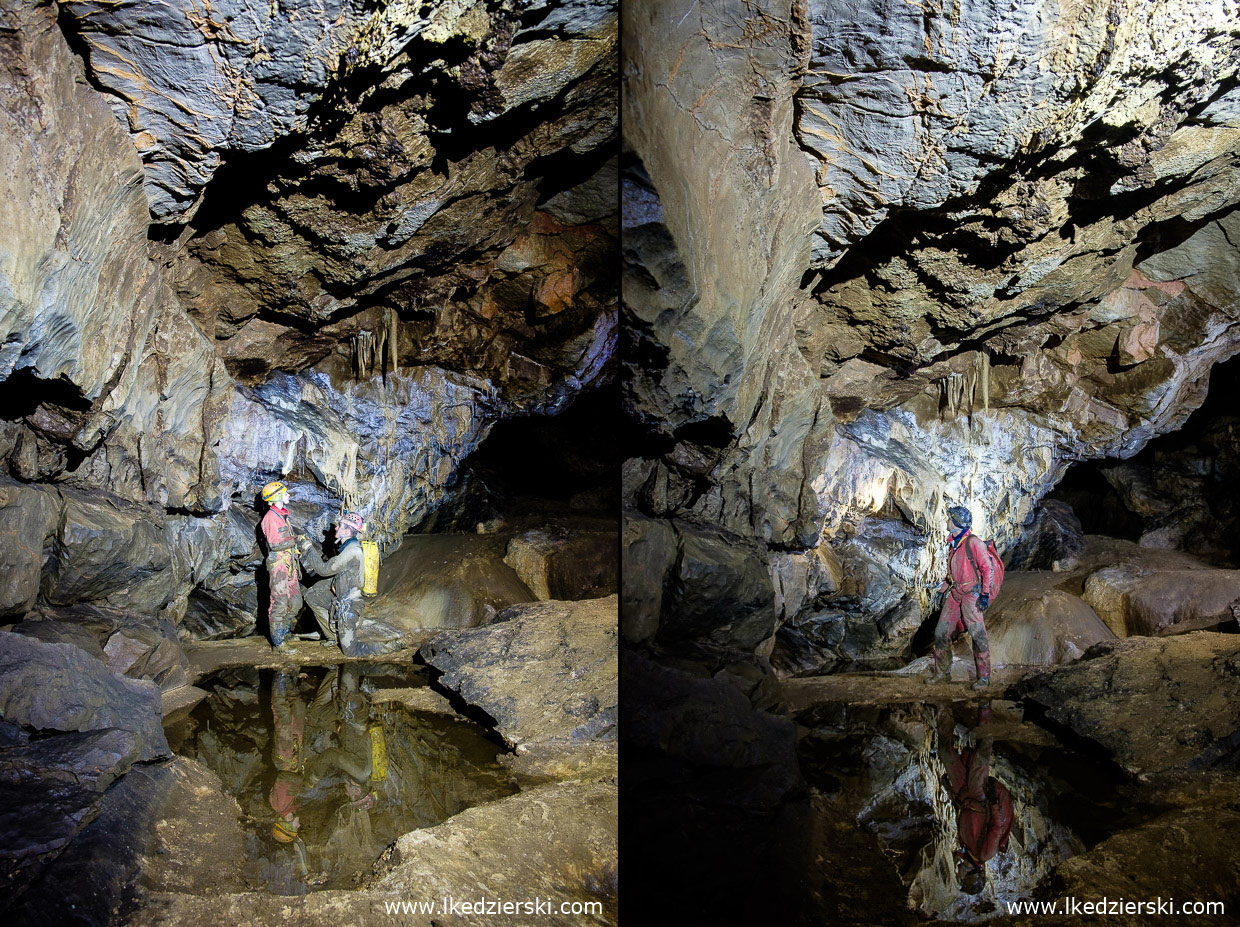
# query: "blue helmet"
[[960, 516]]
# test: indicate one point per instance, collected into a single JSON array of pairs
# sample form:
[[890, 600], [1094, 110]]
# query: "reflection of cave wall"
[[1181, 491]]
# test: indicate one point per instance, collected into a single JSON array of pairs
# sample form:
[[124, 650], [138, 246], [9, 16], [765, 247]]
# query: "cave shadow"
[[262, 582]]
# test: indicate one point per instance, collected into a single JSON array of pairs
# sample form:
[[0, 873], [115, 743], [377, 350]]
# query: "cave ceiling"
[[365, 185]]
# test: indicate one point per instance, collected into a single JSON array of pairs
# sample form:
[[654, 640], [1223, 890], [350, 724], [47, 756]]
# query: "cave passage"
[[329, 768], [1181, 491]]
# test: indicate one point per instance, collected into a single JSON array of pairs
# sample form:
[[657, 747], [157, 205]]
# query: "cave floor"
[[796, 695]]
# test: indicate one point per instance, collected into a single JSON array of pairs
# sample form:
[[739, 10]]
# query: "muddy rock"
[[446, 581], [565, 565], [1036, 625], [59, 687], [1190, 682], [546, 672]]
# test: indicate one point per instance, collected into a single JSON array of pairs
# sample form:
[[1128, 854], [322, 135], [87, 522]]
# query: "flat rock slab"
[[1153, 703], [546, 672], [556, 843], [207, 657], [796, 695]]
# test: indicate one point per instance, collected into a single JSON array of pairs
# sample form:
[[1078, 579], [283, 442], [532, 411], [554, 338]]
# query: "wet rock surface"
[[1187, 682], [546, 672], [59, 687], [558, 839]]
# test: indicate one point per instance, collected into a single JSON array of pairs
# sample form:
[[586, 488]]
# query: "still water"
[[971, 805], [328, 773]]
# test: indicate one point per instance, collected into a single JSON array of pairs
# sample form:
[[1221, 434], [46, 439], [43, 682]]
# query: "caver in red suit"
[[965, 586], [984, 809]]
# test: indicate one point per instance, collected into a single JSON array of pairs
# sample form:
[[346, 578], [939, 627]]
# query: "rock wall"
[[329, 243], [925, 264]]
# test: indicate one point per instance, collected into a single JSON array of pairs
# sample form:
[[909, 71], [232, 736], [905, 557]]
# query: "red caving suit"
[[985, 810], [960, 611], [282, 573]]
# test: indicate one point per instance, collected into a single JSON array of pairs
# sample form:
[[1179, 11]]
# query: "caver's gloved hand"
[[983, 601]]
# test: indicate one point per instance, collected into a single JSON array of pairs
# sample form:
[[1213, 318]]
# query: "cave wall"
[[923, 264], [325, 242]]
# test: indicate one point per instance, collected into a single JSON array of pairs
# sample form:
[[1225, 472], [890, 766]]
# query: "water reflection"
[[327, 773], [960, 798]]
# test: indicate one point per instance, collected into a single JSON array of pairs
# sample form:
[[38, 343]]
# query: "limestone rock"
[[129, 644], [108, 550], [545, 672], [1143, 599], [61, 688], [94, 759], [1052, 541], [1032, 625], [718, 588], [707, 724], [648, 551], [1189, 683], [565, 565], [28, 520], [446, 581], [559, 839], [1185, 854]]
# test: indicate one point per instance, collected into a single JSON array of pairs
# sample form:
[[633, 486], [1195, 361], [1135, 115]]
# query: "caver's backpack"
[[370, 568], [996, 567]]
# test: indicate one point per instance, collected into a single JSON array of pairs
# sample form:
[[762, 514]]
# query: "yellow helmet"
[[273, 489]]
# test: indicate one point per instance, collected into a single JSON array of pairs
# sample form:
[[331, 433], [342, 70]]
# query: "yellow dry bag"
[[378, 754], [370, 583]]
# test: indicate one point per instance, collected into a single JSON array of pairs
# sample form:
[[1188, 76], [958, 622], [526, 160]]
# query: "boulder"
[[108, 549], [648, 553], [91, 758], [28, 519], [562, 564], [59, 687], [446, 581], [1153, 704], [1053, 539], [1132, 600], [130, 645], [1034, 624], [545, 672], [718, 587]]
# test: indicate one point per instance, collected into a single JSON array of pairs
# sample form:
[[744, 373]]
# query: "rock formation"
[[331, 242], [930, 263], [327, 242]]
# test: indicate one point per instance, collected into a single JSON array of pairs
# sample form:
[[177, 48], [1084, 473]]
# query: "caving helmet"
[[960, 516], [272, 491], [285, 831], [351, 523]]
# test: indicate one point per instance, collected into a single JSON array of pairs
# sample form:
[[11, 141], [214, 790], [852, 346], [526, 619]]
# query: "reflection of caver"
[[984, 804], [337, 605], [288, 714], [282, 572]]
